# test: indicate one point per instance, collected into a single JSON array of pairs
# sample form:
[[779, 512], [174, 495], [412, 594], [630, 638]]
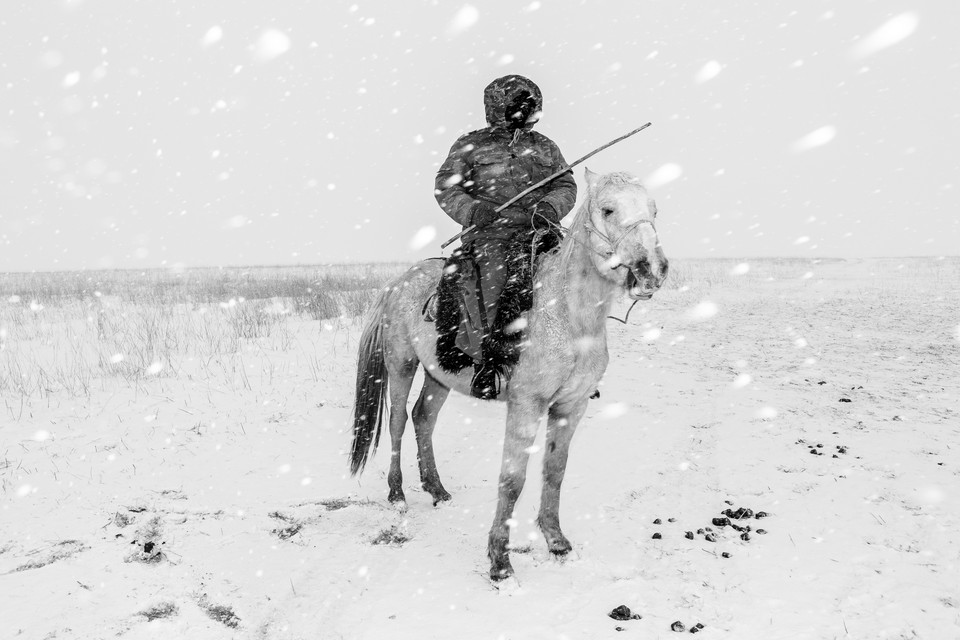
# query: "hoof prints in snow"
[[293, 525], [60, 551], [222, 614], [391, 536], [162, 610]]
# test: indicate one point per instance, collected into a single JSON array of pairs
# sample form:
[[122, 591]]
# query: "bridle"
[[613, 243], [589, 227]]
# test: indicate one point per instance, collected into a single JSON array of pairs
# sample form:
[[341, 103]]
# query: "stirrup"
[[485, 384]]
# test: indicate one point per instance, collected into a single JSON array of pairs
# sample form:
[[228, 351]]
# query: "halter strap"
[[613, 243]]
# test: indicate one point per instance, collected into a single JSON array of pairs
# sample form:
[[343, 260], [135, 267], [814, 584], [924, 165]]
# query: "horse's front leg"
[[561, 424], [523, 419]]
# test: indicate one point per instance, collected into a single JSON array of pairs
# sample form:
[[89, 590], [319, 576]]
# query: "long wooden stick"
[[548, 179]]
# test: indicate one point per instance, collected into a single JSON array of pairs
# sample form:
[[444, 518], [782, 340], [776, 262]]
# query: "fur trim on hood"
[[505, 91]]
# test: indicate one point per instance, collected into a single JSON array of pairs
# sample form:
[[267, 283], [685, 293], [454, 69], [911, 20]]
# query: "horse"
[[611, 247]]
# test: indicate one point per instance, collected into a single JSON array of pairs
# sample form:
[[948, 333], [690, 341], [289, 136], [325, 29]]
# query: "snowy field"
[[175, 467]]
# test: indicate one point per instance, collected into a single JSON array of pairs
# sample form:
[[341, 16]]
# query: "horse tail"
[[370, 406]]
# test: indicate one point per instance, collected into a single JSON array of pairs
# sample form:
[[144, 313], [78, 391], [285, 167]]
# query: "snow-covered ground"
[[201, 506]]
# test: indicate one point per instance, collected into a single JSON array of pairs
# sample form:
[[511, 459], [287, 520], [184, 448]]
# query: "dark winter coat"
[[496, 163]]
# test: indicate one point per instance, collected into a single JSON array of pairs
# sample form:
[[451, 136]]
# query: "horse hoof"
[[400, 506], [559, 547], [442, 496], [507, 586], [501, 574]]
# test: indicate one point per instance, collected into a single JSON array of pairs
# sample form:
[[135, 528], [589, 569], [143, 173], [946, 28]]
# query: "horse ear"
[[590, 176]]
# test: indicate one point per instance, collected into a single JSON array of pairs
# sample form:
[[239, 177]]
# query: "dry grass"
[[75, 332], [72, 331]]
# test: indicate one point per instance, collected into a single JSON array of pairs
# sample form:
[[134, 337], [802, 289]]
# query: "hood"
[[509, 92]]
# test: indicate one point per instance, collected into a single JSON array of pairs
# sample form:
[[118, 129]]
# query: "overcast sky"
[[141, 133]]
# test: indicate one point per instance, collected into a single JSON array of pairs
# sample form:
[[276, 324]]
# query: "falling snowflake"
[[814, 139], [932, 494], [703, 311], [707, 72], [517, 325], [664, 174], [742, 380], [423, 237], [740, 269], [614, 410], [214, 35], [465, 18], [271, 44], [891, 32], [766, 413], [236, 222], [154, 368], [651, 334]]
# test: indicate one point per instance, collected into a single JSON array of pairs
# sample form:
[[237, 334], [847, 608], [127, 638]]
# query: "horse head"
[[620, 221]]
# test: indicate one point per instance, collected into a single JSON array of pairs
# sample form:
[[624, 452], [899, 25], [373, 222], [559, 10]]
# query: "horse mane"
[[582, 215]]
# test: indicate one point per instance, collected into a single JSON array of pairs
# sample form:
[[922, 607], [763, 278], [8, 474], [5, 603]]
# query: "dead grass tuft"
[[390, 536], [162, 610]]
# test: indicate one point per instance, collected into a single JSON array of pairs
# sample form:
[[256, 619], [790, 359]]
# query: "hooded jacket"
[[496, 163]]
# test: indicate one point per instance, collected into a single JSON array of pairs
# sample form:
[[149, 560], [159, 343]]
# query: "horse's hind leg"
[[401, 379], [432, 397], [561, 425]]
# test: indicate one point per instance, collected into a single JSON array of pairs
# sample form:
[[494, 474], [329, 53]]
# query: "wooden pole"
[[548, 179]]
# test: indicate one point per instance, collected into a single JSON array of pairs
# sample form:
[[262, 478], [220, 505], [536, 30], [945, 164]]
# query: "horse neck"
[[588, 294]]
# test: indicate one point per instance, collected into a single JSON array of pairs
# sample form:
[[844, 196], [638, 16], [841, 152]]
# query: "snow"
[[662, 175], [466, 17], [271, 44], [891, 32], [702, 311], [814, 139], [213, 35], [709, 71], [423, 237], [862, 546]]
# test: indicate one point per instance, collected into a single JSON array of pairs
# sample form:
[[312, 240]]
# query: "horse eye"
[[607, 211]]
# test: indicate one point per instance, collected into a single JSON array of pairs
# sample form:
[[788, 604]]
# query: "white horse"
[[611, 247]]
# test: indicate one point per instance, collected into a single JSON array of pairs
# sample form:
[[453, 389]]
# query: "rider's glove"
[[544, 211], [483, 214]]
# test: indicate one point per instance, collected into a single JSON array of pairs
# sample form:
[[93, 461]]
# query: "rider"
[[485, 169]]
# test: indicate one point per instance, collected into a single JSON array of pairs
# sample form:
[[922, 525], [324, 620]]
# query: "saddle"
[[502, 343]]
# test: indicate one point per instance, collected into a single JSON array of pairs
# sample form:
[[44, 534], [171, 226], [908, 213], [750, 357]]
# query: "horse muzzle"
[[640, 287], [644, 279]]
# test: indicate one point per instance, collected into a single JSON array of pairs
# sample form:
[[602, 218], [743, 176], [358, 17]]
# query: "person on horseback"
[[485, 169]]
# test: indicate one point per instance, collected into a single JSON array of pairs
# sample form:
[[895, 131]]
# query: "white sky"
[[148, 134]]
